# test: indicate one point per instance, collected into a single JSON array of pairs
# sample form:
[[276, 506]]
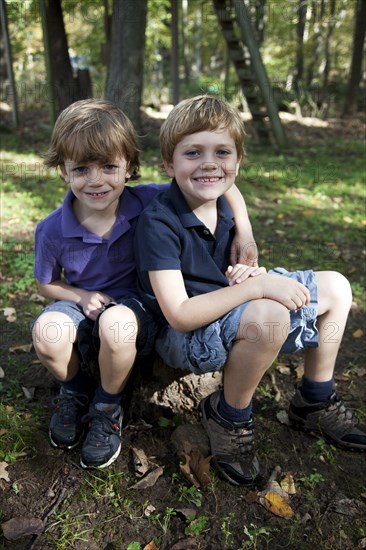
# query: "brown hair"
[[198, 114], [93, 130]]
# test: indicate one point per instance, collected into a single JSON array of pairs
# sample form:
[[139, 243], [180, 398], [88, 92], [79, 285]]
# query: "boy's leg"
[[118, 329], [227, 415], [54, 334], [315, 406]]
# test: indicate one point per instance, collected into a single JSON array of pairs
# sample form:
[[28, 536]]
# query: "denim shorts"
[[88, 330], [206, 349]]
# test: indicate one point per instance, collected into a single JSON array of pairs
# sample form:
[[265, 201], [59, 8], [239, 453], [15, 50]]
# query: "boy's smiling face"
[[97, 187], [205, 165]]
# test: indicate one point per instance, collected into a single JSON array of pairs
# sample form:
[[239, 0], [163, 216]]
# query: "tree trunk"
[[66, 86], [300, 28], [5, 48], [318, 14], [175, 51], [327, 49], [350, 105], [125, 70]]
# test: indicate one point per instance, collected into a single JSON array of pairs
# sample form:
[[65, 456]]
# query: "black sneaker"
[[66, 426], [103, 442], [232, 443], [331, 419]]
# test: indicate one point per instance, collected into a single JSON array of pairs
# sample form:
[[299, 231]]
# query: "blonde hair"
[[198, 114], [93, 130]]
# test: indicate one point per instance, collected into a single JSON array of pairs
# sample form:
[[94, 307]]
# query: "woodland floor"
[[102, 510]]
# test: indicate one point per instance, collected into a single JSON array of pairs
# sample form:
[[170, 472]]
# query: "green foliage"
[[197, 526], [16, 433]]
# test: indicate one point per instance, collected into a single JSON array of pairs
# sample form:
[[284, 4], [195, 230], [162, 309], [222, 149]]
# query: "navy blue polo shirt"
[[87, 261], [170, 236]]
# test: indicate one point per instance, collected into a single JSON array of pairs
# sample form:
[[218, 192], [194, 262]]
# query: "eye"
[[109, 167], [80, 170], [223, 152], [192, 153]]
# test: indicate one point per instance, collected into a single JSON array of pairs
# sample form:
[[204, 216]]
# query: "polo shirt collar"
[[187, 217], [129, 208]]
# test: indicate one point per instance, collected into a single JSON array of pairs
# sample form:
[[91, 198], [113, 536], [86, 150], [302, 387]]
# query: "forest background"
[[306, 200]]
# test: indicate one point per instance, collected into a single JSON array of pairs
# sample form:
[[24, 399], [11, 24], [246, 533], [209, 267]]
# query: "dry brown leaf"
[[19, 527], [197, 468], [149, 480], [277, 505], [140, 462], [37, 298], [358, 333], [299, 371], [361, 372], [151, 546], [28, 392], [27, 348], [10, 314], [288, 484], [3, 473]]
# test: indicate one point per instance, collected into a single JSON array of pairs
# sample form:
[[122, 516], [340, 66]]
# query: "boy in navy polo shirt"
[[237, 318], [84, 260]]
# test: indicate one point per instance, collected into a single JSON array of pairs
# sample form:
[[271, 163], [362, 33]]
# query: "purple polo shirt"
[[64, 247]]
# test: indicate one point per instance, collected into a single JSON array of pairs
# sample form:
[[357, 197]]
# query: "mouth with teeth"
[[97, 196], [207, 181]]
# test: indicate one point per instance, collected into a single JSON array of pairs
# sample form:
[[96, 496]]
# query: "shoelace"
[[67, 405], [339, 411], [244, 441], [101, 425]]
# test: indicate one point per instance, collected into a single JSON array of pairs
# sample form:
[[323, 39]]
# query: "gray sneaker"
[[331, 419], [232, 443]]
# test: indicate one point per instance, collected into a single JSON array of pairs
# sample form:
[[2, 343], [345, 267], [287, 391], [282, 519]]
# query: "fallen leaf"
[[299, 371], [347, 219], [149, 480], [282, 369], [151, 546], [196, 468], [2, 373], [361, 372], [277, 505], [37, 298], [18, 527], [358, 333], [140, 462], [28, 392], [283, 418], [3, 473], [10, 314], [27, 348], [186, 512], [150, 509], [288, 484]]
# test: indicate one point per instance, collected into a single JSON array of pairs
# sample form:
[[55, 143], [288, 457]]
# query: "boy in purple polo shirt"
[[84, 260], [215, 316]]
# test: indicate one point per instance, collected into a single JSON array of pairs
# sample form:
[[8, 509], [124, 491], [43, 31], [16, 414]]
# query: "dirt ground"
[[102, 510]]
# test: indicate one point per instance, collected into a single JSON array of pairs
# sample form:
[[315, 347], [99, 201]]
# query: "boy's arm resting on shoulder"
[[90, 301], [243, 249], [185, 314]]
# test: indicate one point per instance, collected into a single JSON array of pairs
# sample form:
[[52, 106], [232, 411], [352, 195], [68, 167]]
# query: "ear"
[[64, 174], [169, 168]]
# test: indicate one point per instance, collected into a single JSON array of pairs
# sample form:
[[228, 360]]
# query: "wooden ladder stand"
[[244, 53]]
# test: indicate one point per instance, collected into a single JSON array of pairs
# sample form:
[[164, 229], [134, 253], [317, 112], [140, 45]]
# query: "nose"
[[210, 166], [93, 175]]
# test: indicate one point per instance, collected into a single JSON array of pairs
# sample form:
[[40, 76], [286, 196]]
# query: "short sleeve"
[[46, 264]]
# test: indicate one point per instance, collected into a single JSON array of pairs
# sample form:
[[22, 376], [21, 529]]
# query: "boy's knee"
[[118, 326], [335, 290], [52, 331], [265, 321]]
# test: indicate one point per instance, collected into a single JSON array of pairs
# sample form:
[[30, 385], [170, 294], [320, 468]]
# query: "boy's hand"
[[246, 254], [241, 272], [288, 292], [93, 302]]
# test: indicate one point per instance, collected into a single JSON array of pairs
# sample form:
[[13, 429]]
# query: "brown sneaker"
[[331, 419], [232, 443]]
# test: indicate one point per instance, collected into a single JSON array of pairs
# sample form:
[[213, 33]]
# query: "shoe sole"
[[105, 464], [299, 424], [214, 461], [63, 446]]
